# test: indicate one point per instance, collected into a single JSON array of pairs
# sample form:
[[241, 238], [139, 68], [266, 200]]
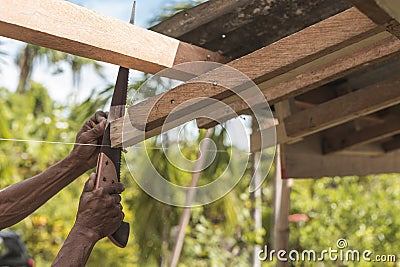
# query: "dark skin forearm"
[[76, 249], [99, 215], [19, 200]]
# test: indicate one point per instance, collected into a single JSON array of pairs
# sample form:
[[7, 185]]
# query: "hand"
[[100, 212], [91, 133]]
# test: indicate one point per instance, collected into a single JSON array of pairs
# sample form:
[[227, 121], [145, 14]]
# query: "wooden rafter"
[[314, 78], [356, 106], [345, 108], [392, 145], [382, 12], [66, 27], [165, 112], [331, 35], [368, 135]]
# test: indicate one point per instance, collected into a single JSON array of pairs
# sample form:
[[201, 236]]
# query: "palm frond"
[[2, 55], [172, 9]]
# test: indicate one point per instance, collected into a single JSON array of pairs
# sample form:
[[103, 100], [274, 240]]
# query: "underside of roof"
[[367, 143], [236, 28]]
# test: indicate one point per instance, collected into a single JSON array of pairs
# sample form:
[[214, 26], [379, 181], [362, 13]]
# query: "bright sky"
[[60, 86]]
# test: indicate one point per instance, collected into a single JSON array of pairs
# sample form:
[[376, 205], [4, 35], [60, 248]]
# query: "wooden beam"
[[367, 119], [66, 27], [330, 35], [316, 119], [327, 36], [305, 160], [317, 77], [368, 135], [166, 111], [345, 108], [382, 12], [282, 190], [392, 145]]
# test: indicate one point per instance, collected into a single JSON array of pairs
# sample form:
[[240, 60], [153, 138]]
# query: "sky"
[[60, 86]]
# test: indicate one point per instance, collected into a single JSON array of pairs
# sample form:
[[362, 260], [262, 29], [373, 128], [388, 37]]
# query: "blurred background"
[[46, 95]]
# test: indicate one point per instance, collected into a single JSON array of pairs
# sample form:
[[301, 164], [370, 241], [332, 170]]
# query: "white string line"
[[47, 142], [83, 144]]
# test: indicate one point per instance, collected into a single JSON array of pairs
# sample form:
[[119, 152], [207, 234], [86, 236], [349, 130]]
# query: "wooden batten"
[[389, 128], [344, 108], [66, 27], [382, 12]]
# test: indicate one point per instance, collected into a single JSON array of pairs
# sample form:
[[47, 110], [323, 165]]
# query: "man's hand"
[[100, 212], [91, 133], [99, 215]]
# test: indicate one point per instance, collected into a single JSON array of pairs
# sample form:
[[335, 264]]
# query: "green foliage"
[[30, 55], [173, 8], [362, 210]]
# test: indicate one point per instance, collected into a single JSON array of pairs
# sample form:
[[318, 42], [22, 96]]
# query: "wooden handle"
[[106, 174]]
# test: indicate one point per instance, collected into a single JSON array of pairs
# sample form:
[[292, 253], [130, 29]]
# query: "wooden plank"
[[331, 35], [382, 12], [392, 145], [368, 135], [316, 77], [370, 150], [281, 202], [305, 160], [345, 108], [282, 109], [364, 121], [327, 36], [367, 119], [166, 111], [66, 27]]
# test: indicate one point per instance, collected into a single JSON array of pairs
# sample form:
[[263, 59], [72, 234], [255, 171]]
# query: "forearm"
[[19, 200], [76, 248]]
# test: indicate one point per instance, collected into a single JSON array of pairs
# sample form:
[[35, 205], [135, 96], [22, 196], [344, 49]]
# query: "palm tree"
[[174, 8], [30, 53], [2, 54]]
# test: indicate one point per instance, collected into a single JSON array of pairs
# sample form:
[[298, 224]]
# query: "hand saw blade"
[[109, 160], [117, 110]]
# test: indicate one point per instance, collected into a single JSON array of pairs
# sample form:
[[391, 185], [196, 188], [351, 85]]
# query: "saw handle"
[[106, 174]]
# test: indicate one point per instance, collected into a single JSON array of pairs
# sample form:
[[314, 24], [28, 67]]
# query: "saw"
[[109, 161]]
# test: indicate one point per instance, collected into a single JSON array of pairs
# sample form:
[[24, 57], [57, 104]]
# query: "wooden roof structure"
[[342, 113], [329, 68]]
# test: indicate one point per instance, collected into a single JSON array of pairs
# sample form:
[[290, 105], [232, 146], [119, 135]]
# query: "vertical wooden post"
[[282, 189]]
